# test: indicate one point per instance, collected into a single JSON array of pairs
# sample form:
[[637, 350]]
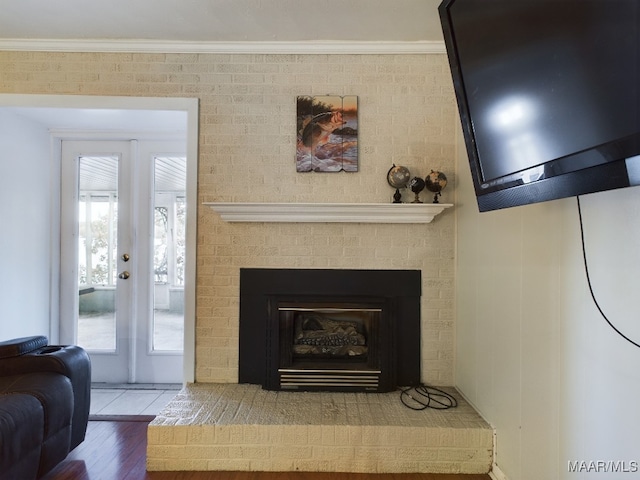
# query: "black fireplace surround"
[[329, 329]]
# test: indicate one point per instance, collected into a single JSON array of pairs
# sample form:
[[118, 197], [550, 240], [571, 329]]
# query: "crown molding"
[[157, 46]]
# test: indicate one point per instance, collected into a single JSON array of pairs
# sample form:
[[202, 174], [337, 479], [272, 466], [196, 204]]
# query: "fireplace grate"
[[294, 379]]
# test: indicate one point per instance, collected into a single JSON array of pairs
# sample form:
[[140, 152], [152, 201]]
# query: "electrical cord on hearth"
[[422, 397], [593, 296]]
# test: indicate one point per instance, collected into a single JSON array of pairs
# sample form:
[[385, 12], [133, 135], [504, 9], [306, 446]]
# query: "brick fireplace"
[[329, 330], [261, 424]]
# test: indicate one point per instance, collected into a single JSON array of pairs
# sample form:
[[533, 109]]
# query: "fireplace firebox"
[[329, 330], [329, 344]]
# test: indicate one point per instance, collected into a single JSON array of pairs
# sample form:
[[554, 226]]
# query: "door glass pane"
[[97, 252], [168, 252]]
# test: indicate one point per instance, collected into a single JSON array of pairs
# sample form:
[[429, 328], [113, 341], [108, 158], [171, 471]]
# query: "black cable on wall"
[[586, 269]]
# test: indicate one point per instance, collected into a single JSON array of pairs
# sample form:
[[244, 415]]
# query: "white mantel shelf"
[[329, 212]]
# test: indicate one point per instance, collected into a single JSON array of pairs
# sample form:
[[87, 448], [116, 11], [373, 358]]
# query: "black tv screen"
[[548, 93]]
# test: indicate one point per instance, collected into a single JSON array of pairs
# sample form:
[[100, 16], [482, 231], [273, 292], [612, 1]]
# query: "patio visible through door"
[[123, 257]]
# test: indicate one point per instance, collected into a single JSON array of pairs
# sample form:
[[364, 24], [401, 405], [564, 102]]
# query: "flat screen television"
[[548, 93]]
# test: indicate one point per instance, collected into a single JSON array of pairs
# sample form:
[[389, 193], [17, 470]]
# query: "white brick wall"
[[247, 150]]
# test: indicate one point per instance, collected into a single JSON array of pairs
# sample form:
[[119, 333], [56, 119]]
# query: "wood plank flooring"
[[116, 450]]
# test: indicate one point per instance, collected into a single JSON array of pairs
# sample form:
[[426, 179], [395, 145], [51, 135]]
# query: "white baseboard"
[[497, 474]]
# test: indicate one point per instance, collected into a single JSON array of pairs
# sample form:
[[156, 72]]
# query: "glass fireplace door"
[[336, 345]]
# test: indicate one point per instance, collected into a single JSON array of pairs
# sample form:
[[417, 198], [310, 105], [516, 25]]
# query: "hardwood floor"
[[116, 450]]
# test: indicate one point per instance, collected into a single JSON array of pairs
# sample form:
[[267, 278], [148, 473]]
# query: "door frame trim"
[[188, 105]]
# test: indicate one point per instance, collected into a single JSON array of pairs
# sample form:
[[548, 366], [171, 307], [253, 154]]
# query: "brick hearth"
[[241, 427]]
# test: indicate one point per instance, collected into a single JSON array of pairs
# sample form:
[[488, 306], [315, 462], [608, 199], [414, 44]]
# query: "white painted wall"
[[532, 352], [25, 244]]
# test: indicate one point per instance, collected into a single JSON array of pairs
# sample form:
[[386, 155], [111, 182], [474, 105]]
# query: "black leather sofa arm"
[[19, 346], [71, 361]]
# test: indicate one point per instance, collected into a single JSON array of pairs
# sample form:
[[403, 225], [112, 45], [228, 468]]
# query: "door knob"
[[124, 275], [125, 257]]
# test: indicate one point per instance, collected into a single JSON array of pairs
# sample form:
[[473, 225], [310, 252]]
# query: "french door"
[[122, 274]]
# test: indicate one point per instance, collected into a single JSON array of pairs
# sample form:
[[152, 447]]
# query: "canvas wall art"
[[327, 133]]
